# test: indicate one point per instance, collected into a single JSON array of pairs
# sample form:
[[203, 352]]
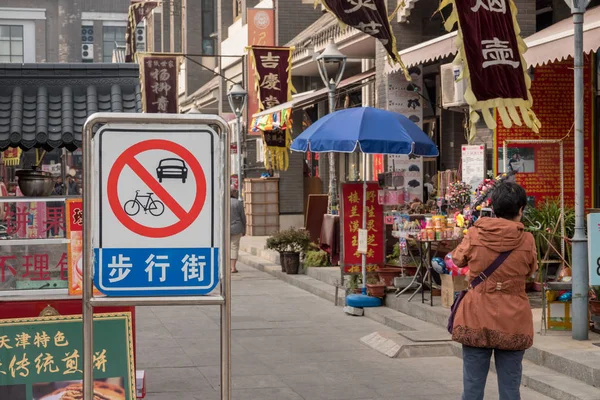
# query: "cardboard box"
[[559, 316], [450, 286]]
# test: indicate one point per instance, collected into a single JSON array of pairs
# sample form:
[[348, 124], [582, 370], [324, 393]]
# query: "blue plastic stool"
[[362, 300]]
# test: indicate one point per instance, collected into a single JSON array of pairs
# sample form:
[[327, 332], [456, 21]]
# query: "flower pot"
[[387, 275], [595, 307], [538, 286], [376, 289], [291, 262]]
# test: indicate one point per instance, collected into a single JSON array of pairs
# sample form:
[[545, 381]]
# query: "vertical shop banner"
[[491, 52], [261, 32], [272, 75], [537, 165], [370, 17], [159, 74], [75, 246], [377, 165], [41, 358], [138, 11], [352, 194]]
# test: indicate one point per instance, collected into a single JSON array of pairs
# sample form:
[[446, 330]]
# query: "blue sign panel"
[[594, 248], [152, 272]]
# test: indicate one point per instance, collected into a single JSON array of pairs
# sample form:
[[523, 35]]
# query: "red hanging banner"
[[491, 50], [370, 17], [273, 75], [138, 11], [352, 212]]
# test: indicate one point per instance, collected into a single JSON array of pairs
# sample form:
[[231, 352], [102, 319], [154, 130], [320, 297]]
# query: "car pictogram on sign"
[[172, 168]]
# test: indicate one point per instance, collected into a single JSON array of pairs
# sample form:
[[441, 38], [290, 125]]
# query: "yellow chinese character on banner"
[[22, 340], [100, 360], [41, 340], [371, 195], [353, 198], [2, 372], [355, 241], [354, 212], [372, 268], [271, 82], [371, 226], [357, 254], [354, 226], [21, 365], [370, 253], [59, 340], [371, 240], [71, 363], [4, 342], [354, 269], [45, 363], [371, 210]]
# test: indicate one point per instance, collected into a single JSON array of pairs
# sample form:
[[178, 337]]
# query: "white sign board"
[[158, 221], [473, 164]]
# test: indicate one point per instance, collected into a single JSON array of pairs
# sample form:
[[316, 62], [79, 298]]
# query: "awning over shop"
[[554, 43], [312, 97], [46, 105]]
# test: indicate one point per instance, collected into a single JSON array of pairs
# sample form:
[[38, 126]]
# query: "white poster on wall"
[[473, 164], [412, 167], [406, 98]]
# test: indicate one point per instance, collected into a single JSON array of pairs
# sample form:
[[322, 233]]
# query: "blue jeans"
[[476, 365]]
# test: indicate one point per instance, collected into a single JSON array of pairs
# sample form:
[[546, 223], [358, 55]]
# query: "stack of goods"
[[438, 228]]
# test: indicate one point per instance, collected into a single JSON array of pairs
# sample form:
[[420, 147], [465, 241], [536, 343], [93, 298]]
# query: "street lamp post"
[[237, 101], [331, 59], [580, 256]]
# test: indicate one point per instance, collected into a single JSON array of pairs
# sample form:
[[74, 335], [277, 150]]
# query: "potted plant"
[[594, 300], [316, 258], [290, 243], [376, 289]]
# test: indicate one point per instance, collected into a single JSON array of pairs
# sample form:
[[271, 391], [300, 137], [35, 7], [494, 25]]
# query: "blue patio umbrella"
[[372, 131]]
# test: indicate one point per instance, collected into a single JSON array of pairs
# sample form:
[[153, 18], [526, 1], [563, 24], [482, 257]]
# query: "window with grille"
[[112, 36], [11, 43]]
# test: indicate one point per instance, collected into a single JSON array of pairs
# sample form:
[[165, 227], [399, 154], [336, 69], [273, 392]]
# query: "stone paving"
[[287, 344]]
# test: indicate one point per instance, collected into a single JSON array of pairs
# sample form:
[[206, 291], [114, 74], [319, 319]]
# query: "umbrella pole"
[[364, 222]]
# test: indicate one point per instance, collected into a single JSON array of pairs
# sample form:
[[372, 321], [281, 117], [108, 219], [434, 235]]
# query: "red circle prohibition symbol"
[[128, 159]]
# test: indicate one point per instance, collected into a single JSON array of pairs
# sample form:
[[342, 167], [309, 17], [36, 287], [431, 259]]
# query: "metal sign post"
[[156, 219]]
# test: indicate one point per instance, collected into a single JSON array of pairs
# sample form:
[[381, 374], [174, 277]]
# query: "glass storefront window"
[[34, 247]]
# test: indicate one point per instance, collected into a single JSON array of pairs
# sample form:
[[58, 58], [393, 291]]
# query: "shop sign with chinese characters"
[[352, 211], [272, 74], [38, 356], [159, 75]]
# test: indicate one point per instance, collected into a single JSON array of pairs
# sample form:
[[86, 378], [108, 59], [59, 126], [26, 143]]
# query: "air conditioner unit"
[[87, 52], [140, 37], [453, 90], [87, 34]]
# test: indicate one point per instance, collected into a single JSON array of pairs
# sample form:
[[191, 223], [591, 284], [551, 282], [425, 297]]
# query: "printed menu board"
[[473, 164]]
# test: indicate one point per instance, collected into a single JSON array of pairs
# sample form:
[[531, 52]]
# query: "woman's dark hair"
[[508, 199]]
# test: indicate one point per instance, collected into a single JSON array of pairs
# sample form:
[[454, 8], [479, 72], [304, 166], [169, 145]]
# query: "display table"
[[426, 248]]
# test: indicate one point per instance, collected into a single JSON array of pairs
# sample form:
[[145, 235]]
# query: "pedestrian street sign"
[[157, 227]]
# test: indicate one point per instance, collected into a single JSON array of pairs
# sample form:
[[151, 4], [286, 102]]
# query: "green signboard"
[[41, 358]]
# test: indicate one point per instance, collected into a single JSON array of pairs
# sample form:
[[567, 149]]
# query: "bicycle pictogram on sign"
[[158, 198]]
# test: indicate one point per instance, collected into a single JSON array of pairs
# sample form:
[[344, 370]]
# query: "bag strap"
[[490, 270]]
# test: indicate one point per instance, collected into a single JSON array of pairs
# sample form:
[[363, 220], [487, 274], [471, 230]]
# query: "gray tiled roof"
[[46, 105]]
